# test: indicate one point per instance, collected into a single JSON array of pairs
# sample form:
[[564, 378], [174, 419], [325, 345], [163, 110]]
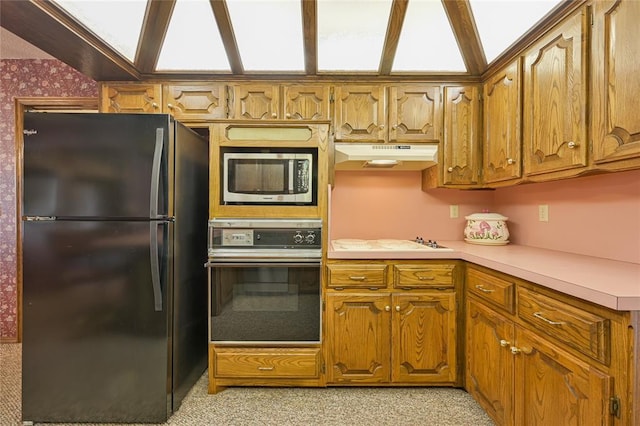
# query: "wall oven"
[[271, 176], [264, 281]]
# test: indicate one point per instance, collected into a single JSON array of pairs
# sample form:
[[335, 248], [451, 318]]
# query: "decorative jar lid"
[[486, 216]]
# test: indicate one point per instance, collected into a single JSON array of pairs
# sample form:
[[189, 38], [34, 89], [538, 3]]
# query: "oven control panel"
[[237, 237]]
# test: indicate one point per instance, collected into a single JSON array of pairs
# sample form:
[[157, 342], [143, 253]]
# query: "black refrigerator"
[[114, 238]]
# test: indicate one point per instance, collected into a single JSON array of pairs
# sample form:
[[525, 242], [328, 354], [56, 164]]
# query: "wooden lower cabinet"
[[527, 373], [405, 335]]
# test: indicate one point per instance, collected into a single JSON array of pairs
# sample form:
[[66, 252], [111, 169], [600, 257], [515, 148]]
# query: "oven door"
[[264, 302]]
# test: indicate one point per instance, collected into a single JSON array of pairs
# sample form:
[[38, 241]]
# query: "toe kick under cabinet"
[[392, 322], [538, 357]]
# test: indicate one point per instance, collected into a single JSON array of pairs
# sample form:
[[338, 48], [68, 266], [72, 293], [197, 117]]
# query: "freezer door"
[[97, 165], [95, 346]]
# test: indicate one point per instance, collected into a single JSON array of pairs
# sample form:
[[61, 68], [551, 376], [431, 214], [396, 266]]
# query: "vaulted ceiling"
[[308, 39]]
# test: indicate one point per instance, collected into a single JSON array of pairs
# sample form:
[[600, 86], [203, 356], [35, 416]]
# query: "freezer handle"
[[155, 173], [155, 265]]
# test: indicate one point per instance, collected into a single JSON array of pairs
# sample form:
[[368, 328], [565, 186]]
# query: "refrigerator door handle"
[[155, 265], [155, 173]]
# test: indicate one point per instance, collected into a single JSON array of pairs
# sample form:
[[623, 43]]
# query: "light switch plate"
[[543, 213], [453, 211]]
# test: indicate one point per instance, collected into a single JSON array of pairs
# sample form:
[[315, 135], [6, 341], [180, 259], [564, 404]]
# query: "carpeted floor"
[[286, 406]]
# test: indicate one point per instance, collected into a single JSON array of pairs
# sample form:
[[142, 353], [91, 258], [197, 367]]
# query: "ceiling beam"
[[154, 29], [394, 28], [466, 34], [223, 20], [310, 34], [50, 29]]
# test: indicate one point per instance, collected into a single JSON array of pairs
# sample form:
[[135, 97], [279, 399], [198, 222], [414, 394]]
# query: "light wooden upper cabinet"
[[616, 84], [414, 113], [460, 158], [555, 99], [254, 101], [195, 101], [131, 98], [502, 125], [306, 102], [360, 112]]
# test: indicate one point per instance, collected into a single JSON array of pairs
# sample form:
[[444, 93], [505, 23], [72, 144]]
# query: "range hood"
[[384, 156]]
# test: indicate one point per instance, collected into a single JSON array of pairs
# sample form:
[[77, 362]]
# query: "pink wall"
[[596, 215], [372, 205], [23, 78]]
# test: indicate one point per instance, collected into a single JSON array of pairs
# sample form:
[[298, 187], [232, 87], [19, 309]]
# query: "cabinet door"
[[460, 146], [616, 81], [553, 387], [196, 102], [490, 364], [131, 98], [414, 113], [254, 101], [424, 338], [358, 333], [360, 113], [555, 99], [306, 102], [502, 132]]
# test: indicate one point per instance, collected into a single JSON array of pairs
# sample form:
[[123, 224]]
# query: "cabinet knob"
[[397, 308], [511, 161], [154, 105], [381, 127], [572, 145], [387, 308], [515, 350], [504, 343], [450, 169], [170, 106], [394, 127], [288, 115], [274, 115]]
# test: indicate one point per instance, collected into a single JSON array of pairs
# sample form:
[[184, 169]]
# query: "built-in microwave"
[[269, 176]]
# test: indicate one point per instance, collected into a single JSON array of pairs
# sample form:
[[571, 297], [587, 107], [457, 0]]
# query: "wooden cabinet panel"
[[555, 388], [196, 101], [555, 99], [460, 157], [267, 362], [131, 98], [490, 364], [254, 101], [490, 288], [360, 113], [584, 331], [502, 125], [306, 102], [359, 338], [414, 113], [422, 321], [616, 83], [423, 276], [357, 276]]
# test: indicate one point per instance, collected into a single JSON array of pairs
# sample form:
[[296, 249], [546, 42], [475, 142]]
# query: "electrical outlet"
[[543, 213], [453, 211]]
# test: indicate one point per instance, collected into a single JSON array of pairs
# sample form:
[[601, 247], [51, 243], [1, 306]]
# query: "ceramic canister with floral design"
[[486, 228]]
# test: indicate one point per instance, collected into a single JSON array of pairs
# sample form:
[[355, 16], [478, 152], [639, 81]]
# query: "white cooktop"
[[381, 245]]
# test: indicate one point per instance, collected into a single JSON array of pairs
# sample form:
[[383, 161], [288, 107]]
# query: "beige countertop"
[[609, 283]]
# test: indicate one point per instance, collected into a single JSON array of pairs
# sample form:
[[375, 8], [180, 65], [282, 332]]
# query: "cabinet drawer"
[[584, 331], [492, 289], [359, 276], [273, 362], [419, 276]]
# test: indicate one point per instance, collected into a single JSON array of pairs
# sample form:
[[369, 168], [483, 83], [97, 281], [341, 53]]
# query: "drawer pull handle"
[[421, 278], [266, 368], [484, 290], [358, 278], [548, 321]]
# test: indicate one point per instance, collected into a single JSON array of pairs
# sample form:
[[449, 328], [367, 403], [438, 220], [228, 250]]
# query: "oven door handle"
[[273, 263]]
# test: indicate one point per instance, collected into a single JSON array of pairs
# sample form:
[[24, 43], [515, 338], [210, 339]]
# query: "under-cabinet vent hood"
[[382, 156]]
